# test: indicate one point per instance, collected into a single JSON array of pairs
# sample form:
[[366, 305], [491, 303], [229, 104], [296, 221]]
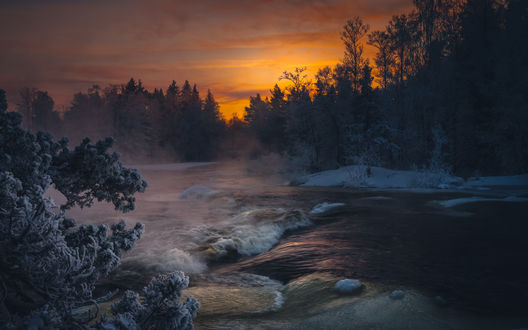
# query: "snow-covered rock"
[[383, 178], [325, 207], [348, 286]]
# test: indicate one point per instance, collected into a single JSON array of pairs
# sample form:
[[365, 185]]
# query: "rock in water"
[[348, 286], [397, 294], [198, 192]]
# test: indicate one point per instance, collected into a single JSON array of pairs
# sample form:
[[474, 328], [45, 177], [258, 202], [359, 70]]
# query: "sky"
[[236, 48]]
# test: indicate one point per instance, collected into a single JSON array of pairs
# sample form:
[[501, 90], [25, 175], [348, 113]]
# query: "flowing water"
[[258, 258]]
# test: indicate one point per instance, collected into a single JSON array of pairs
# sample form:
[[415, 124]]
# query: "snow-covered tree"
[[49, 267], [160, 307]]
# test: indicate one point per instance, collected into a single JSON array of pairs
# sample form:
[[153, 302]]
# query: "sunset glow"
[[235, 48]]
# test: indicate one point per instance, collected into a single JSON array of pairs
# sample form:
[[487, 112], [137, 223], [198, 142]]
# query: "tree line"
[[448, 90], [177, 122]]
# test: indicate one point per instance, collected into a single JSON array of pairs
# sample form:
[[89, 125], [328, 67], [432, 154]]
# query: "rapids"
[[259, 256]]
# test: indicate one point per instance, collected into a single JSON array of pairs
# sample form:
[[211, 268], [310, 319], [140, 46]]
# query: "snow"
[[361, 176], [348, 286], [465, 200], [325, 207]]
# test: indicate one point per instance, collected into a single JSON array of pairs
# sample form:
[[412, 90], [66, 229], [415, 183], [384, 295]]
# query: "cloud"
[[234, 47]]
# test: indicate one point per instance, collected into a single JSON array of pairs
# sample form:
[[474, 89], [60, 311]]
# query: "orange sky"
[[236, 48]]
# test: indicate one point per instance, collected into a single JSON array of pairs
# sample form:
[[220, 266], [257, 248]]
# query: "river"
[[258, 259]]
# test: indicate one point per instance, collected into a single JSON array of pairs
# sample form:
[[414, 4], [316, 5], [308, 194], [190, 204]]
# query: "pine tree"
[[49, 266]]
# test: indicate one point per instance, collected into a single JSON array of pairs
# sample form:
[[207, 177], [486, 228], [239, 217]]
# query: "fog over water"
[[194, 212], [259, 255]]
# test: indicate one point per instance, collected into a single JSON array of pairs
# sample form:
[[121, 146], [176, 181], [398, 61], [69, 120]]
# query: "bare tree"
[[354, 31]]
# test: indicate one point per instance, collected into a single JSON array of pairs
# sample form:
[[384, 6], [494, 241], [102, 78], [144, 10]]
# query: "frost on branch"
[[159, 308], [49, 267], [89, 172]]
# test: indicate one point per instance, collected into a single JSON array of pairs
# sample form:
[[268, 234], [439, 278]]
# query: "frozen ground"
[[489, 189], [377, 177]]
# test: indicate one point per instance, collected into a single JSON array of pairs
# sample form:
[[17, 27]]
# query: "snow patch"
[[325, 207], [378, 177], [361, 176]]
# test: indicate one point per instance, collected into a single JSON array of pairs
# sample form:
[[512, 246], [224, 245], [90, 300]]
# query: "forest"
[[175, 123], [446, 91]]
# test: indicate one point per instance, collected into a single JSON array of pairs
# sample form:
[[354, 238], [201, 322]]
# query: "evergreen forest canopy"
[[176, 122], [447, 90], [451, 94]]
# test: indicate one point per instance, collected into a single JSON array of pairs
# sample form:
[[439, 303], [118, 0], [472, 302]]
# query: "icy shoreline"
[[360, 176]]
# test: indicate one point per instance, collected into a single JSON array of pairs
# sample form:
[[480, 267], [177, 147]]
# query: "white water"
[[203, 212], [325, 207], [192, 216]]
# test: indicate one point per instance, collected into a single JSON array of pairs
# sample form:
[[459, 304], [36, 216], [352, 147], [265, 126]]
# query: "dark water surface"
[[477, 261], [247, 223]]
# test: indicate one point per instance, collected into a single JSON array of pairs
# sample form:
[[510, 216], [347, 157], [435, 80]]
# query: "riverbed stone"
[[348, 286]]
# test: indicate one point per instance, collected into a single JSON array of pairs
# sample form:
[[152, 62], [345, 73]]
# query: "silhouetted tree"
[[352, 36], [384, 59], [452, 80]]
